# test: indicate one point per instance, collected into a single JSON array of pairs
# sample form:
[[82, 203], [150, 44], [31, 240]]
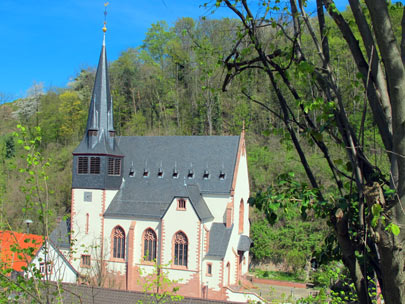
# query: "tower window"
[[83, 165], [114, 166], [94, 165], [112, 133], [93, 132]]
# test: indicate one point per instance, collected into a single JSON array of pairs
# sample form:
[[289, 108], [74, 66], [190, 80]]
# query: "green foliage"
[[158, 287]]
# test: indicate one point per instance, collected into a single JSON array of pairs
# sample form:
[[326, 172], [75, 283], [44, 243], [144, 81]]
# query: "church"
[[178, 201]]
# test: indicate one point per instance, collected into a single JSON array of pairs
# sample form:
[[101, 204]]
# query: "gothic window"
[[180, 249], [149, 245], [94, 165], [118, 243], [114, 166]]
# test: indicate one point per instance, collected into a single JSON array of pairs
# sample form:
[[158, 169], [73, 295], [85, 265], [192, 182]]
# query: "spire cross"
[[105, 16]]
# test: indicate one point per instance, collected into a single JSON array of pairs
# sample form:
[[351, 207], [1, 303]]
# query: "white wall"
[[187, 222], [60, 271]]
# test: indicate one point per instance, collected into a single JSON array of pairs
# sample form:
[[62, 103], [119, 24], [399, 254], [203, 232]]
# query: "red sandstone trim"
[[235, 172], [162, 245], [237, 274], [102, 223], [130, 264], [199, 258], [206, 240], [72, 223]]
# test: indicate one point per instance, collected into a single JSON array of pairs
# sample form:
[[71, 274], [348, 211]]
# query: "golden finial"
[[105, 17]]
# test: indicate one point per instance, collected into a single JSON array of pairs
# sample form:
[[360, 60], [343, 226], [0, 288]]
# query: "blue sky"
[[50, 41]]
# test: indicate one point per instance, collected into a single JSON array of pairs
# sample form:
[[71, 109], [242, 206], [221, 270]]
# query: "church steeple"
[[100, 134], [98, 160]]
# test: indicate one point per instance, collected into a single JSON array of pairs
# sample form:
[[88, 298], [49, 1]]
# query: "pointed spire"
[[100, 133]]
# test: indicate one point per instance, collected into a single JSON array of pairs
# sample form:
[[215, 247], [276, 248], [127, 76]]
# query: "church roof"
[[219, 239], [159, 168]]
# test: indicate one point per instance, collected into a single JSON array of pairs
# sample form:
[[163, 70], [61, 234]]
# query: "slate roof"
[[219, 239], [244, 243], [147, 193], [60, 236], [90, 295]]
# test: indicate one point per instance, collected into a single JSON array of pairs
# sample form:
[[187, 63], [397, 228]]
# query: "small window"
[[93, 132], [145, 173], [206, 174], [181, 204], [112, 133], [85, 260], [131, 172], [160, 173], [94, 165], [209, 269], [190, 174], [83, 165], [45, 270], [221, 175]]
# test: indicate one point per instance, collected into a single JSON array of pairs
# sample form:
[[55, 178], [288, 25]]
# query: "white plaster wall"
[[60, 269], [213, 281], [188, 222], [88, 243], [217, 205]]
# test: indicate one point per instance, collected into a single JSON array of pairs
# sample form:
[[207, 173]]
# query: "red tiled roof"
[[17, 249]]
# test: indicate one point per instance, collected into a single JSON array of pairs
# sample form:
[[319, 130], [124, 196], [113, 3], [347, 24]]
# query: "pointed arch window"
[[118, 243], [149, 245], [241, 216], [180, 249]]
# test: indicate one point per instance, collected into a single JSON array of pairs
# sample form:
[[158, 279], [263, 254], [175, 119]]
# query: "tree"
[[365, 217]]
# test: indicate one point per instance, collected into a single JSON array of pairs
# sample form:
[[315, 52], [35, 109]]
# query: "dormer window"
[[160, 173], [221, 175], [175, 174], [93, 132], [190, 174], [112, 133], [145, 173], [206, 174], [132, 172]]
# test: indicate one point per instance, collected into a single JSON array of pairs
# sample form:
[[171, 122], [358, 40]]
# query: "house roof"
[[219, 239], [60, 236], [160, 168], [18, 249], [90, 295]]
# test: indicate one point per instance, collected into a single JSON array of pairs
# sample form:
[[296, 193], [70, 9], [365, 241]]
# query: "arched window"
[[118, 243], [180, 249], [149, 245], [241, 216]]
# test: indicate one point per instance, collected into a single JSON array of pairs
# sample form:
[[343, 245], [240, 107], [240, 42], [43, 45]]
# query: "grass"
[[279, 275]]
